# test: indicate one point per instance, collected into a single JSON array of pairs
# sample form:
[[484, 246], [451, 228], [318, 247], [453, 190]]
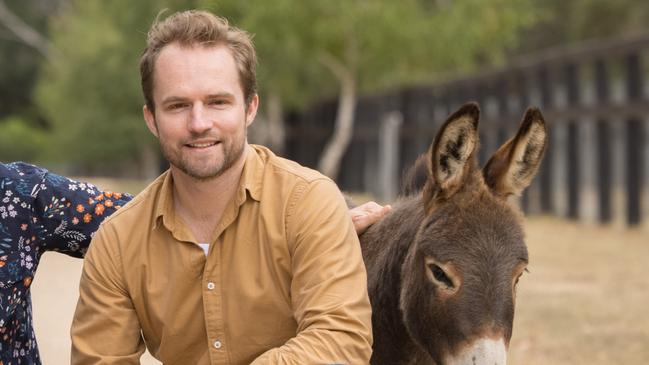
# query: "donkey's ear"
[[511, 169], [451, 153]]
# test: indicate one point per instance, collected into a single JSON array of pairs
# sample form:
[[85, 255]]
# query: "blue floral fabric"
[[39, 212]]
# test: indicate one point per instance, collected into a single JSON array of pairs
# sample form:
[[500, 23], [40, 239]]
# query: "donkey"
[[444, 263]]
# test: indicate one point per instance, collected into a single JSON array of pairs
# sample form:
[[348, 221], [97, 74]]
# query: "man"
[[233, 256], [41, 211]]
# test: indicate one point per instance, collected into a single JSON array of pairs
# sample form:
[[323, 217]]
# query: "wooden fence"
[[593, 95]]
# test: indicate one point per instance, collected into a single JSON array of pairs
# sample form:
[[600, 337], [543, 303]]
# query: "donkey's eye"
[[519, 277], [440, 275]]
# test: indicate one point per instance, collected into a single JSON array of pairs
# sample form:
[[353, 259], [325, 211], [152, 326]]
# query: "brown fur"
[[459, 230], [415, 177]]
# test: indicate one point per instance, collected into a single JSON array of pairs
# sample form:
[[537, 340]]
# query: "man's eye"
[[176, 106], [218, 102]]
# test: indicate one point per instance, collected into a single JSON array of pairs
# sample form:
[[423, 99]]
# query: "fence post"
[[573, 146], [587, 208], [603, 150], [634, 156], [546, 177], [618, 171], [634, 142], [388, 164], [587, 149], [645, 189], [559, 135]]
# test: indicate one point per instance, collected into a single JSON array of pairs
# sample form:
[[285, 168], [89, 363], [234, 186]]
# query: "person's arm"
[[72, 211], [105, 329], [329, 285]]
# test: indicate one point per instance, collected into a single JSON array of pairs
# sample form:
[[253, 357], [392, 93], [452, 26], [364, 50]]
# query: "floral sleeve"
[[39, 211], [71, 212]]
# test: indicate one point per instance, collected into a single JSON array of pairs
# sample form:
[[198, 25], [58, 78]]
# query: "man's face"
[[200, 112]]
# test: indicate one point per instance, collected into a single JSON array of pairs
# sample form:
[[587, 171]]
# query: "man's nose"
[[199, 120]]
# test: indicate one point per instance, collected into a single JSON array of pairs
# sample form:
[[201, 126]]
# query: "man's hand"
[[366, 214]]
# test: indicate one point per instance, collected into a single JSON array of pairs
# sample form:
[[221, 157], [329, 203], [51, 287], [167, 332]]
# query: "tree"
[[565, 22], [309, 50], [23, 46], [91, 93], [24, 31], [315, 49], [19, 140], [284, 66]]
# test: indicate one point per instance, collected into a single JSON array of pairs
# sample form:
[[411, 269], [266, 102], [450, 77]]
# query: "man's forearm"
[[319, 346]]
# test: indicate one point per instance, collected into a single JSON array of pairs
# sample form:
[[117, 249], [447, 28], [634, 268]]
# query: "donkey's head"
[[459, 277]]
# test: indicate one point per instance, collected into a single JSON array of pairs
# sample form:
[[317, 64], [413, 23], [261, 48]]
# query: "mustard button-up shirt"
[[283, 281]]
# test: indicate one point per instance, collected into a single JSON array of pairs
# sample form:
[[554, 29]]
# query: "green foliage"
[[281, 30], [91, 94], [385, 43], [19, 141], [565, 22], [19, 62]]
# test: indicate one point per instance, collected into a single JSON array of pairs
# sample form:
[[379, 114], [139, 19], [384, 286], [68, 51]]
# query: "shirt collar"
[[251, 181], [253, 172], [164, 205]]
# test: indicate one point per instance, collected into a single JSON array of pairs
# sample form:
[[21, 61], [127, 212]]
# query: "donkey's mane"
[[415, 177]]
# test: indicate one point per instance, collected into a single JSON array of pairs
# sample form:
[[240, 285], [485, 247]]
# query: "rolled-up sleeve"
[[105, 329], [329, 284]]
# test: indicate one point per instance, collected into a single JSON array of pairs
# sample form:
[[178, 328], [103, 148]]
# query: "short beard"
[[231, 154]]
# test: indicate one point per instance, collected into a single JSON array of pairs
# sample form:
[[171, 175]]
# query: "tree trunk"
[[269, 128], [149, 162], [26, 33], [343, 129], [335, 148], [276, 127]]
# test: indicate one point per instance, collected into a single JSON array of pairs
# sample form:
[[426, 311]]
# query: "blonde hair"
[[194, 27]]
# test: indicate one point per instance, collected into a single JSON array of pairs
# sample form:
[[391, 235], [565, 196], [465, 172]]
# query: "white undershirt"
[[205, 247]]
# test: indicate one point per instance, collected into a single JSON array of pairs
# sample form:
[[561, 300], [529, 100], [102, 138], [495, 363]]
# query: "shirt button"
[[211, 286], [217, 344]]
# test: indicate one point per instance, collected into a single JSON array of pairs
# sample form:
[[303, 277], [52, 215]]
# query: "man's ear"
[[149, 118], [251, 110]]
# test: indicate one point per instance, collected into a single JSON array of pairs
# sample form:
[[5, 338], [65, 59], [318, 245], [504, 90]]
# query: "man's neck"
[[200, 203]]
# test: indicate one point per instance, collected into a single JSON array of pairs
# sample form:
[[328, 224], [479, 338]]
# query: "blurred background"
[[357, 90]]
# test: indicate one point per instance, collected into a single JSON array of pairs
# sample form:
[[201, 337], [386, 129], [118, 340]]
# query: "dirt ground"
[[584, 302], [586, 298]]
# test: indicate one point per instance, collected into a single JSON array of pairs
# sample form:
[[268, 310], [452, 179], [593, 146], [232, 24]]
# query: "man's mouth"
[[202, 144]]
